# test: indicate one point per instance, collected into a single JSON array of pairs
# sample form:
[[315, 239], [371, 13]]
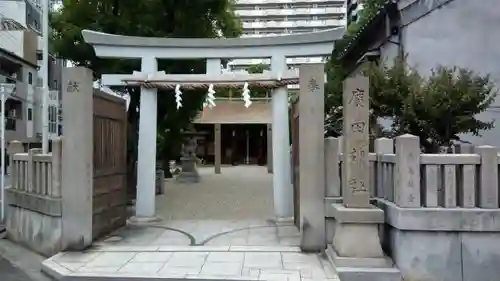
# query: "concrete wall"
[[455, 33], [23, 43], [445, 255]]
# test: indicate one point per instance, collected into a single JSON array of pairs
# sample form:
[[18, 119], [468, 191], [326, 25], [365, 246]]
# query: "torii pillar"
[[282, 182], [146, 160]]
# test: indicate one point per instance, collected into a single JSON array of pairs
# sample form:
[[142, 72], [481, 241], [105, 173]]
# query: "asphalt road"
[[9, 272]]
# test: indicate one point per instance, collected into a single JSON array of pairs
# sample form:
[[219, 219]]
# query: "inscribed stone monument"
[[355, 177]]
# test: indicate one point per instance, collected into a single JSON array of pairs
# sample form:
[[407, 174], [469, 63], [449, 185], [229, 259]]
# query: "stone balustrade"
[[33, 173], [442, 213], [34, 205], [436, 180]]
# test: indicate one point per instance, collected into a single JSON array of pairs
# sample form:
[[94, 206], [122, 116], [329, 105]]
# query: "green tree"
[[437, 109], [158, 18], [443, 106], [256, 69]]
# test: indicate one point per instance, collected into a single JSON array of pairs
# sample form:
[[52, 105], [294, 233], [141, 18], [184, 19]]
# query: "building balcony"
[[292, 24], [22, 43], [9, 80], [291, 12], [20, 91], [262, 2]]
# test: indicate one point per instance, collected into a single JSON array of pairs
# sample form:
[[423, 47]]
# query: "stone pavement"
[[239, 193], [204, 233], [200, 263], [219, 229]]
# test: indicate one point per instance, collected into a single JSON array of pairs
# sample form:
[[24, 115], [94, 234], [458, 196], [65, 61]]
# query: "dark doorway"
[[242, 144]]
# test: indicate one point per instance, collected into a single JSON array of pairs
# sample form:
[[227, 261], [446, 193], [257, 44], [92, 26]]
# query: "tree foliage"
[[437, 108], [158, 18], [255, 69]]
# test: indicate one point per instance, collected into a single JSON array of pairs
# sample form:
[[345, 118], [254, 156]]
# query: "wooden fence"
[[109, 163], [401, 174]]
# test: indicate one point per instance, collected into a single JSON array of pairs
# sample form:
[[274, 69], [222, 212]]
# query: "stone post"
[[356, 250], [407, 171], [382, 146], [77, 159], [56, 166], [488, 177], [31, 168], [332, 168], [14, 147], [269, 148], [312, 157], [465, 148], [355, 176], [218, 148]]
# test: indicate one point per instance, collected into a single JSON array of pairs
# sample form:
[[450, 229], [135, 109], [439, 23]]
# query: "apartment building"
[[279, 17], [20, 34], [19, 109]]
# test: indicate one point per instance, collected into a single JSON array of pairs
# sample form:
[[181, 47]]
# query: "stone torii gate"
[[149, 49]]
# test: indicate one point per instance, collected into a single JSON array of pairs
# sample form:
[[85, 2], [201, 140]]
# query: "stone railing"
[[423, 180], [33, 173], [34, 211], [442, 211]]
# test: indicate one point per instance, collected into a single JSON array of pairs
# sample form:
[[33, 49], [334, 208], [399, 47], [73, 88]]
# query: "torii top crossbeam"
[[291, 45], [161, 80]]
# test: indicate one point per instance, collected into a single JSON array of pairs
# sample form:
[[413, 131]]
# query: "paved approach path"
[[239, 193], [218, 229]]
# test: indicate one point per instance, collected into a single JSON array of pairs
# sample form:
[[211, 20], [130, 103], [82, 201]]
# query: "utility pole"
[[45, 76]]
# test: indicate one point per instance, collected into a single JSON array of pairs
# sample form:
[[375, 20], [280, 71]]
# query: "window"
[[10, 124], [52, 118], [30, 114], [30, 78]]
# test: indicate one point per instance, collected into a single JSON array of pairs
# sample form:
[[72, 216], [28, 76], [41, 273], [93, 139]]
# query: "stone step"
[[369, 274]]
